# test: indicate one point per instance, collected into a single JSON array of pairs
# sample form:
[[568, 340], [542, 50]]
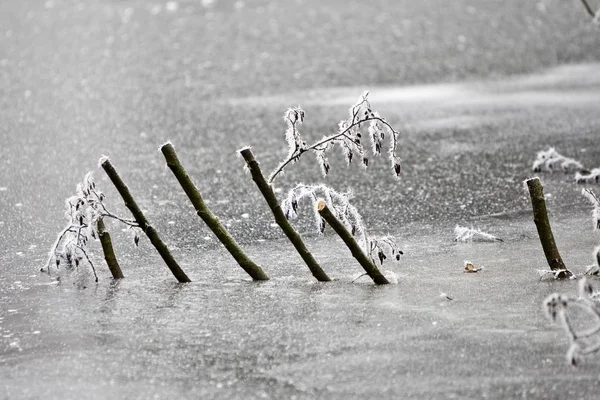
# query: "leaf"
[[470, 268], [381, 256]]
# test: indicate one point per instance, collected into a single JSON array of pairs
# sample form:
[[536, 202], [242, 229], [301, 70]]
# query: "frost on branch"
[[362, 120], [594, 269], [378, 249], [592, 177], [83, 210], [561, 309], [551, 160], [464, 234], [595, 202]]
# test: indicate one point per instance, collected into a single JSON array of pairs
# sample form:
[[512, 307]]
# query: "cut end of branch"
[[321, 205], [243, 149], [102, 160], [531, 181], [165, 145]]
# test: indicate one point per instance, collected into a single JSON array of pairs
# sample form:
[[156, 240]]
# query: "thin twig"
[[88, 260], [298, 152]]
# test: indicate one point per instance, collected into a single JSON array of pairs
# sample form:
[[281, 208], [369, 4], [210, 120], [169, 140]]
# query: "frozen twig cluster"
[[83, 212], [464, 234], [349, 138], [592, 176], [550, 160], [377, 248], [560, 309]]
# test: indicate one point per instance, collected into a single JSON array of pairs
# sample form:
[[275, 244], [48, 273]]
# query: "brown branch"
[[141, 220], [109, 252], [280, 219], [540, 217], [208, 217], [355, 249]]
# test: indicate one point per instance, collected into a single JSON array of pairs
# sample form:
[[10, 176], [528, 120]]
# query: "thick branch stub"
[[293, 236], [540, 217], [141, 220], [109, 252], [355, 249], [208, 217]]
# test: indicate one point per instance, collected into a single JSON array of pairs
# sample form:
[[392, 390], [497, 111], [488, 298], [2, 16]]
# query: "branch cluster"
[[551, 160], [362, 120], [83, 211], [560, 308], [377, 248]]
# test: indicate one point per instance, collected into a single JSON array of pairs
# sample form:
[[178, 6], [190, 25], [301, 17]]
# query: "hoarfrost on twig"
[[378, 248], [83, 210], [595, 202], [349, 138], [592, 177], [559, 309], [548, 160], [464, 234]]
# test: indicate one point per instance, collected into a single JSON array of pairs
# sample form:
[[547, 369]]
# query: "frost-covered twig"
[[464, 234], [595, 202], [337, 225], [556, 274], [547, 160], [85, 211], [592, 177], [377, 248], [557, 308], [349, 138]]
